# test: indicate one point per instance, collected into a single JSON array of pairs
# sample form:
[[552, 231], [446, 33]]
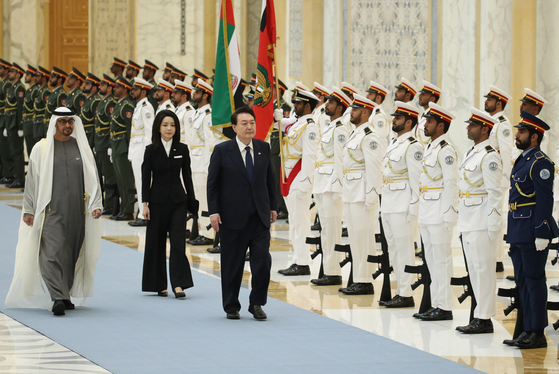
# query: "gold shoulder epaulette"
[[502, 118], [443, 143], [168, 106], [144, 104], [208, 111], [539, 155], [321, 110], [368, 130], [412, 140], [339, 123], [489, 149], [310, 120], [377, 110]]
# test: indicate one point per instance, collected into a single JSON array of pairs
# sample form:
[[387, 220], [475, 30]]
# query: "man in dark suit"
[[531, 228], [242, 205]]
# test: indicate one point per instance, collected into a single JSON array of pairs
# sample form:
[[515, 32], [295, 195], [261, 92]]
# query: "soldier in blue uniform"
[[531, 227]]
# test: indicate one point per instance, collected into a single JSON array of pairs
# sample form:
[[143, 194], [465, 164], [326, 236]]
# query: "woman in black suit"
[[166, 205]]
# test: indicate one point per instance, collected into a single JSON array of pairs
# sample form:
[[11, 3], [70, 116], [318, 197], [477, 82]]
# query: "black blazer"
[[161, 176], [230, 192]]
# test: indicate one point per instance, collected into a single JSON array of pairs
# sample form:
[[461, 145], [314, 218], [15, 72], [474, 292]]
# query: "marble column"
[[458, 66], [332, 55], [547, 73]]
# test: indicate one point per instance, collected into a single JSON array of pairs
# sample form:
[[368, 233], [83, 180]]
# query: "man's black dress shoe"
[[124, 217], [512, 342], [138, 222], [257, 312], [400, 302], [554, 287], [69, 305], [342, 289], [419, 315], [107, 212], [295, 269], [5, 180], [233, 315], [216, 249], [162, 293], [283, 215], [201, 240], [344, 232], [360, 289], [477, 326], [437, 314], [532, 341], [328, 280], [59, 309], [499, 268], [179, 295], [16, 184], [511, 278]]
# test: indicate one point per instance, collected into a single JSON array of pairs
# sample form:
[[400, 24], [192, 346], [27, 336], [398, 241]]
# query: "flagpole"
[[279, 107]]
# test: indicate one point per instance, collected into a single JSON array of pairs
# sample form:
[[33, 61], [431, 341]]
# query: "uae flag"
[[227, 71], [263, 98]]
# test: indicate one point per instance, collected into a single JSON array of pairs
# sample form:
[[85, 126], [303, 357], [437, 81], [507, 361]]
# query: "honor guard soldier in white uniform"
[[501, 138], [405, 91], [349, 90], [428, 94], [379, 121], [362, 185], [438, 210], [327, 187], [140, 138], [184, 111], [319, 116], [300, 144], [199, 154], [480, 218], [400, 200], [163, 96]]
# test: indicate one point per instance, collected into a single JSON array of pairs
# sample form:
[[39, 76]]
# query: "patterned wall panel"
[[296, 38], [387, 40]]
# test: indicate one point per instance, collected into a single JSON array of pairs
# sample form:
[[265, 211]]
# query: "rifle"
[[345, 248], [424, 279], [467, 284], [384, 265], [515, 303], [317, 241]]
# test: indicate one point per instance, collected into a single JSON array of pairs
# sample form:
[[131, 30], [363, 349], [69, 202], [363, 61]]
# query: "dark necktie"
[[249, 164], [518, 159], [471, 149]]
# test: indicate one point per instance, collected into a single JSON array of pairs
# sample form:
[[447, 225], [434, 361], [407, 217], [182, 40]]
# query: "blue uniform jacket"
[[531, 199]]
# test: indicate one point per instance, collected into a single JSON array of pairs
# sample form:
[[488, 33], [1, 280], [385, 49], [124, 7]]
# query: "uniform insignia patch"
[[20, 93], [545, 174], [506, 132], [493, 166], [380, 123], [418, 156], [373, 145], [81, 103], [63, 102], [111, 110], [341, 138], [312, 136], [128, 115], [327, 122], [148, 115], [190, 120], [449, 160]]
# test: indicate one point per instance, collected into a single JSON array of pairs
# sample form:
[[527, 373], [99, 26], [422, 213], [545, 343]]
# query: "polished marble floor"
[[23, 350]]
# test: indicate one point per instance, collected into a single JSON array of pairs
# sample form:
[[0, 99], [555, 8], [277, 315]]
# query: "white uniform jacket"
[[166, 105], [362, 167], [481, 195], [328, 172], [301, 143], [199, 157], [402, 170], [184, 112], [320, 118], [380, 124], [140, 133], [501, 138], [438, 200]]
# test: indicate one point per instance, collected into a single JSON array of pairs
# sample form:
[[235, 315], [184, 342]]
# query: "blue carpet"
[[127, 331]]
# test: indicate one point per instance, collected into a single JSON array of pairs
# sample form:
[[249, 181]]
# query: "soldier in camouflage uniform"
[[76, 97], [88, 109], [148, 74], [5, 152], [57, 97], [13, 122], [28, 111], [102, 142], [40, 104], [121, 124]]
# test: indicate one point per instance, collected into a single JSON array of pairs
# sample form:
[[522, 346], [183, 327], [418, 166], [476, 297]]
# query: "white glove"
[[109, 152], [5, 133], [20, 133], [449, 226], [541, 244], [284, 122], [493, 234], [411, 218], [278, 115]]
